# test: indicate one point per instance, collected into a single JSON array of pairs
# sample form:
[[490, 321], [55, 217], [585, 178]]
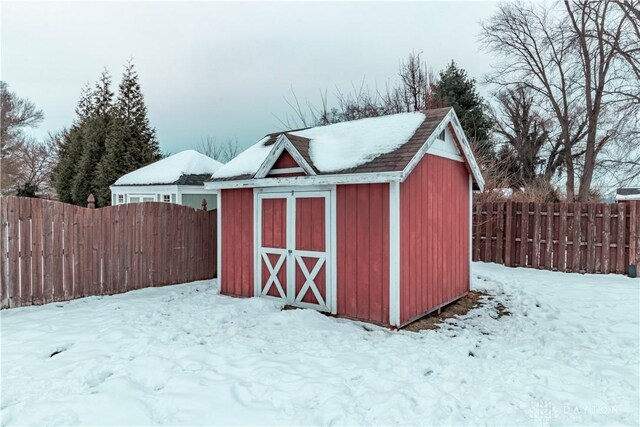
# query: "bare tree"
[[524, 135], [35, 161], [569, 56], [417, 83], [16, 115], [221, 151], [412, 92]]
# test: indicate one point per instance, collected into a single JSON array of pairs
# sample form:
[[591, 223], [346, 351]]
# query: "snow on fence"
[[52, 251], [572, 237]]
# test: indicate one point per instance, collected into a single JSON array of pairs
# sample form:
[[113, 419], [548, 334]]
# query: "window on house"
[[166, 198], [120, 199], [441, 136]]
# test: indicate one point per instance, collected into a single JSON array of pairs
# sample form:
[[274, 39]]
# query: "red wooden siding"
[[434, 236], [237, 242], [285, 161], [310, 236], [362, 227]]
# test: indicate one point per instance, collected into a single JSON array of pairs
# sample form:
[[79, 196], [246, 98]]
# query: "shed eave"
[[359, 178]]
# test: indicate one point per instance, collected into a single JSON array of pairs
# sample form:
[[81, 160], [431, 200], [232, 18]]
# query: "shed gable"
[[286, 165], [446, 146]]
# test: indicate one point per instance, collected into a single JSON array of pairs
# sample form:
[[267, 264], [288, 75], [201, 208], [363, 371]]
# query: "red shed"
[[368, 219]]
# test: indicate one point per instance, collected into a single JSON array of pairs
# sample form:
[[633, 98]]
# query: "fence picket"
[[508, 258], [5, 282], [606, 237], [47, 252], [548, 255], [620, 243], [633, 233], [535, 245], [562, 239], [591, 234]]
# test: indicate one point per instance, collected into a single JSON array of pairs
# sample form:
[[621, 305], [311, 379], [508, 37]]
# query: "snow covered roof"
[[628, 193], [187, 167], [371, 145]]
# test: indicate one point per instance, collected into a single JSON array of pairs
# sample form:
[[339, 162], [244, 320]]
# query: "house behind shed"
[[369, 219], [175, 179]]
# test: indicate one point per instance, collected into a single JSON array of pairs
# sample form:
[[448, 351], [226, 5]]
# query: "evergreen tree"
[[457, 90], [94, 135], [70, 149], [131, 141]]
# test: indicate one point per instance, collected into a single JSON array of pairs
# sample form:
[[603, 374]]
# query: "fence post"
[[91, 202], [203, 205]]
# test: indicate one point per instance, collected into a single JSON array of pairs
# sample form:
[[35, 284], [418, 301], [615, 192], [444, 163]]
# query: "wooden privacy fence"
[[52, 251], [572, 237]]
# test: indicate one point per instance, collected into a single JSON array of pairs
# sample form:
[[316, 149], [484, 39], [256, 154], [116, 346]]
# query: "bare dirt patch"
[[458, 308]]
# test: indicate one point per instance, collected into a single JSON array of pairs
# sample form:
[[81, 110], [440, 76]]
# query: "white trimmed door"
[[293, 240]]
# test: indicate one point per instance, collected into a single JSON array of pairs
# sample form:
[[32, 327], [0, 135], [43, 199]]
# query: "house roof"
[[628, 193], [187, 167], [365, 146]]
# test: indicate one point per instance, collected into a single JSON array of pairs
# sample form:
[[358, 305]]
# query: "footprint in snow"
[[94, 379]]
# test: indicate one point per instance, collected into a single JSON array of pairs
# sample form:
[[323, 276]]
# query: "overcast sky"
[[222, 69]]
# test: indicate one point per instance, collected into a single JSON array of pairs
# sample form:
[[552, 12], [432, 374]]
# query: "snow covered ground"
[[567, 354]]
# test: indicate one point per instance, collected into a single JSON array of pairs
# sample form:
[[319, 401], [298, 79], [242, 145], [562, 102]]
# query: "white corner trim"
[[257, 242], [219, 238], [394, 253], [470, 231], [333, 197]]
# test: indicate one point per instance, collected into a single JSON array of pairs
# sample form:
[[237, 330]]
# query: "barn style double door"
[[293, 260]]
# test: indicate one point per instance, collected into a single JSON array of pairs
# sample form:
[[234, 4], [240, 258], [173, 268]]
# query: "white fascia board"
[[172, 188], [195, 189], [627, 197], [466, 149], [141, 189], [356, 178]]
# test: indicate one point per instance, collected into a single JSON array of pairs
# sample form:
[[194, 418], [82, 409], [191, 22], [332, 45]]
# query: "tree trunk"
[[570, 176]]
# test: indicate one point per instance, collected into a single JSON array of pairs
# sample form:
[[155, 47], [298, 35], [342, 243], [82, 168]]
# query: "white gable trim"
[[466, 149], [262, 179], [285, 171], [446, 148], [282, 144]]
